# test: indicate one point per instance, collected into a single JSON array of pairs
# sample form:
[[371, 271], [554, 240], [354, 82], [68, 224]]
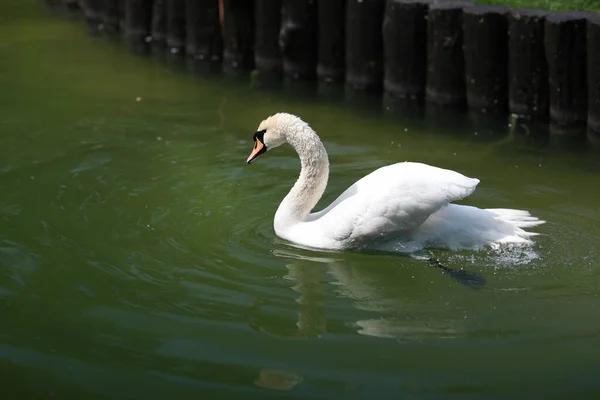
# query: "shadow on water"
[[467, 278], [470, 279]]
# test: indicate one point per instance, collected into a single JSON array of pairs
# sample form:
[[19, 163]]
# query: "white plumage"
[[402, 207]]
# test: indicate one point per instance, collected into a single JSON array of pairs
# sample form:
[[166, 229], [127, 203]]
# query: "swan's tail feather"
[[466, 227], [518, 218]]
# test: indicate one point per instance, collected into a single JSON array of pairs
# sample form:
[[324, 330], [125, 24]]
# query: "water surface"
[[138, 259]]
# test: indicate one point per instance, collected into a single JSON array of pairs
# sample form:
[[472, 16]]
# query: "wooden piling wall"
[[534, 64]]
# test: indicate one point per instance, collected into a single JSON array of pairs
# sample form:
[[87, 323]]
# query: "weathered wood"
[[528, 69], [298, 39], [485, 30], [71, 5], [93, 12], [204, 44], [364, 44], [121, 5], [593, 72], [53, 3], [565, 46], [138, 25], [113, 16], [405, 48], [331, 64], [267, 54], [445, 60], [159, 25], [175, 27], [238, 36]]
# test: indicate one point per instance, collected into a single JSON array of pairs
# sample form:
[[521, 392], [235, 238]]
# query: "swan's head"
[[272, 132]]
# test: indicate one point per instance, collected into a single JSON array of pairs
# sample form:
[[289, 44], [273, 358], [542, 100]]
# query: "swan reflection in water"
[[371, 291]]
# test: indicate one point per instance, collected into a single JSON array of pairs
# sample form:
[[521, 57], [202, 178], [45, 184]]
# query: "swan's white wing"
[[393, 199]]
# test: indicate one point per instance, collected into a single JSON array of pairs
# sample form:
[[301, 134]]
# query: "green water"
[[138, 259]]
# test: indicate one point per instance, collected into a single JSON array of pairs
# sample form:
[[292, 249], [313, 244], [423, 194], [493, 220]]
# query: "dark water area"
[[138, 258]]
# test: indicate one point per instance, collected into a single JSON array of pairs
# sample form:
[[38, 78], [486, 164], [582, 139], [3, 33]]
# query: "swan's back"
[[428, 180], [393, 200]]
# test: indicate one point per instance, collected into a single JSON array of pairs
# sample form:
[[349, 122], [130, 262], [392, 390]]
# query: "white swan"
[[401, 207]]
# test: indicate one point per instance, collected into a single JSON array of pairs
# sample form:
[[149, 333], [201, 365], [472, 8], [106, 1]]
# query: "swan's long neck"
[[312, 181]]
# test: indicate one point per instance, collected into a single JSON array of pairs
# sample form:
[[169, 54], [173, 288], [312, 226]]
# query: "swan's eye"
[[260, 135]]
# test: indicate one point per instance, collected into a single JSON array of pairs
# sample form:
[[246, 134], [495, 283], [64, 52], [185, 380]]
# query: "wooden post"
[[298, 39], [204, 44], [364, 44], [175, 27], [445, 59], [121, 6], [159, 26], [138, 24], [528, 70], [331, 23], [267, 55], [405, 48], [114, 13], [485, 30], [565, 45], [71, 5], [593, 72], [238, 36], [93, 11], [53, 3]]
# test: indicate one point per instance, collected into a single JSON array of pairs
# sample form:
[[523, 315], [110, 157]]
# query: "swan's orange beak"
[[259, 148]]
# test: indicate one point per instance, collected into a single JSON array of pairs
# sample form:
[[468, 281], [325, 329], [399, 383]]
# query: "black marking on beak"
[[259, 146]]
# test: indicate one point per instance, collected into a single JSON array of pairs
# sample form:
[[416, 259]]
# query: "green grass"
[[552, 5]]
